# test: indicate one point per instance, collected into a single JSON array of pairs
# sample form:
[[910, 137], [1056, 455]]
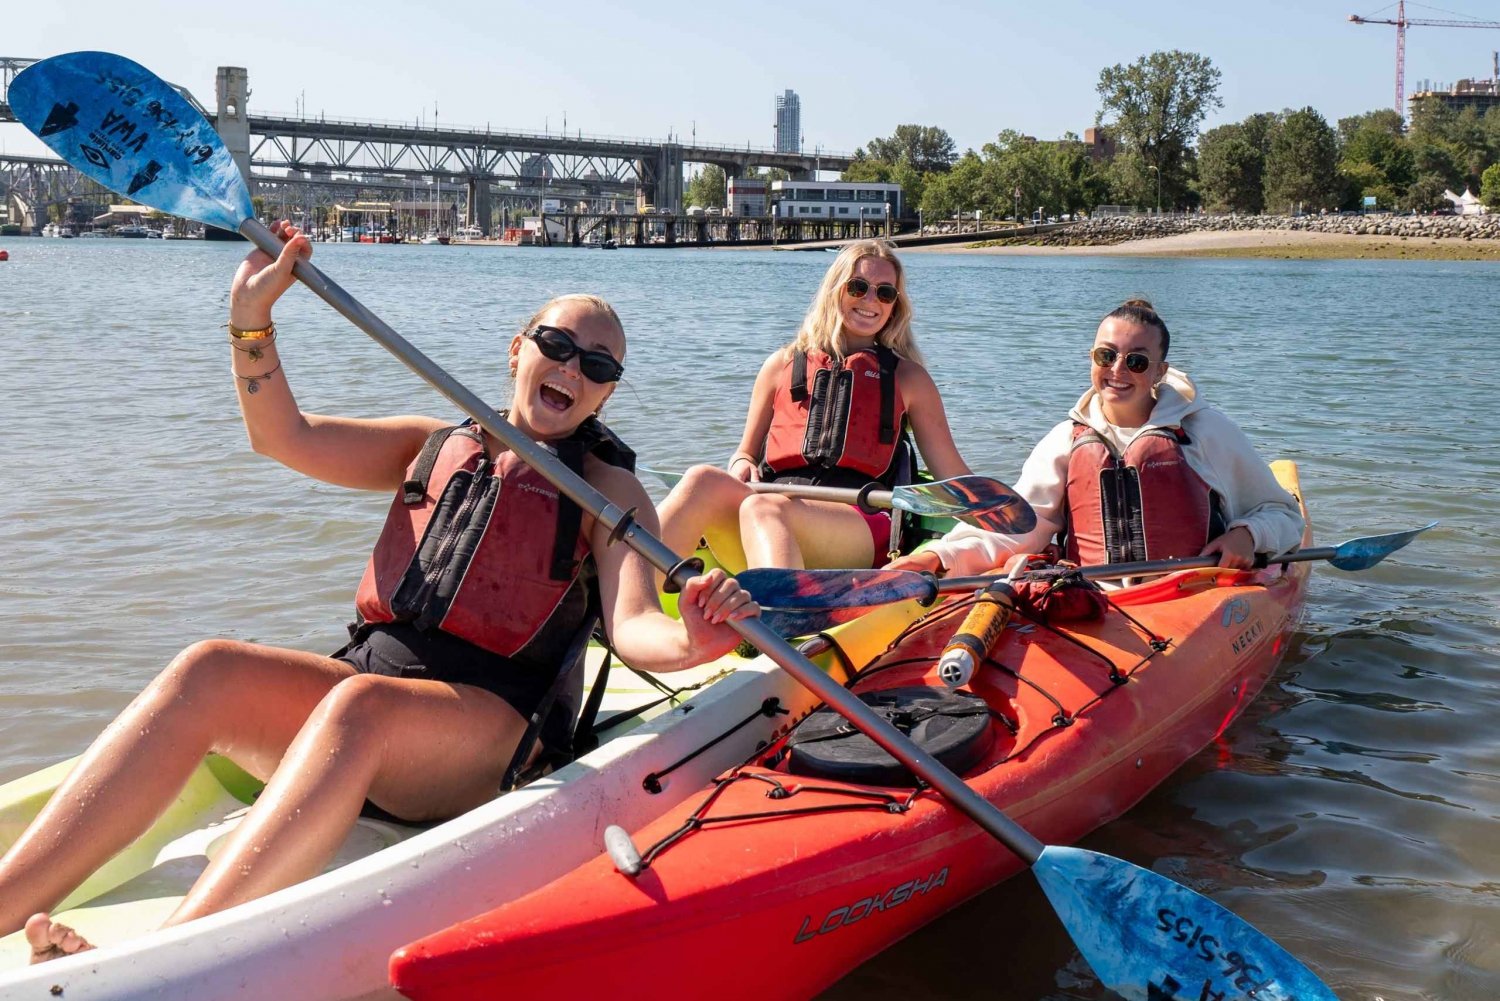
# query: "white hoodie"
[[1218, 451]]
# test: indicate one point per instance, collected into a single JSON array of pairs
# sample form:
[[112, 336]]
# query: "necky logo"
[[1235, 612]]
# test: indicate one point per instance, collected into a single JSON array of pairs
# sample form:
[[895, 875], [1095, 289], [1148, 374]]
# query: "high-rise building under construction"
[[788, 123]]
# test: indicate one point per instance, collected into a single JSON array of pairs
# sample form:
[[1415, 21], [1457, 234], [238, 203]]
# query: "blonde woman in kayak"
[[830, 408], [1142, 469], [423, 712]]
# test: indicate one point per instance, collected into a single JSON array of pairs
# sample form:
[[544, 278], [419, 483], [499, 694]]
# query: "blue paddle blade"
[[1150, 939], [127, 129], [977, 500], [1362, 554], [809, 590], [805, 622]]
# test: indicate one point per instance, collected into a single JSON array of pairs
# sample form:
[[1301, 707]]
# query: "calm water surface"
[[1350, 814]]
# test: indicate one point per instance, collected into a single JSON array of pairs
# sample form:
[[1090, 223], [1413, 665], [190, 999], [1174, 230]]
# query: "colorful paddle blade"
[[809, 590], [132, 132], [1150, 939], [1362, 554], [977, 500]]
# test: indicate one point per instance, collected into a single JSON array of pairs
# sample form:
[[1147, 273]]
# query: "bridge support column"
[[479, 204], [233, 89]]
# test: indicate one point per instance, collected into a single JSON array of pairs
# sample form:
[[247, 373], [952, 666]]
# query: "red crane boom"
[[1401, 22]]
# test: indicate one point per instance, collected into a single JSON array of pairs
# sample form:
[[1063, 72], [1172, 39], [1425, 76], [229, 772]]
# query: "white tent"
[[1465, 204]]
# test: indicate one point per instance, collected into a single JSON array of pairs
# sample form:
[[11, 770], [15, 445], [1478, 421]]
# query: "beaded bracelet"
[[251, 335], [253, 381], [257, 348]]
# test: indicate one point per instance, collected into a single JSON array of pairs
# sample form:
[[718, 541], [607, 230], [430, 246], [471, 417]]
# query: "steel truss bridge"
[[307, 160]]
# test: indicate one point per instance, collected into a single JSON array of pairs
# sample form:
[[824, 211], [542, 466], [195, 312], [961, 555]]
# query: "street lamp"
[[1158, 186]]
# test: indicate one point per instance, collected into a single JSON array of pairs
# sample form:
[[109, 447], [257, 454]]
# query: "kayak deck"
[[811, 875], [138, 889]]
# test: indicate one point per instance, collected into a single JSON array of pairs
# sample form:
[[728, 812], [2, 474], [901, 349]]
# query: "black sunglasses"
[[858, 288], [558, 344], [1135, 361]]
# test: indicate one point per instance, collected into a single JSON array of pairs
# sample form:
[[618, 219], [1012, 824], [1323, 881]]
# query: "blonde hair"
[[593, 302], [823, 326]]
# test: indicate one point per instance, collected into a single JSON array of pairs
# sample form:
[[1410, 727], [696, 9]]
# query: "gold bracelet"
[[252, 335], [256, 349]]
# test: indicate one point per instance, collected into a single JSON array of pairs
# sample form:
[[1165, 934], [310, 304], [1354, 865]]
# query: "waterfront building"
[[747, 196], [789, 123], [852, 200]]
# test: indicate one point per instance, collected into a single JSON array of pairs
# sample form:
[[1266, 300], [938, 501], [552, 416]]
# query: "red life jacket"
[[843, 430], [489, 552], [1147, 504]]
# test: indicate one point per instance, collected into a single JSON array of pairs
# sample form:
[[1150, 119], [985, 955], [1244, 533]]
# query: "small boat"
[[467, 234], [783, 874], [332, 936], [608, 244], [432, 239], [131, 231]]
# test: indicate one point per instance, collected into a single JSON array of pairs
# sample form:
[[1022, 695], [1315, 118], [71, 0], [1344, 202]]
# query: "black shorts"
[[400, 650]]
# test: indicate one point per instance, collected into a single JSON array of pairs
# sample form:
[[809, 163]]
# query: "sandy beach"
[[1280, 244]]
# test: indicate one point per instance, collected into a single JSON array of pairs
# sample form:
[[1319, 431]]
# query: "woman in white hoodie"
[[1141, 469]]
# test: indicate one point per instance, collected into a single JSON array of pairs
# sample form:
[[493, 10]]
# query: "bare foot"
[[51, 939]]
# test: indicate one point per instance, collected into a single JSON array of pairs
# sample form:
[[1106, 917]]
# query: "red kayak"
[[820, 853]]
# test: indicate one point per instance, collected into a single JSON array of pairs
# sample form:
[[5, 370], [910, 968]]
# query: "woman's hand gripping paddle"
[[801, 602], [130, 131]]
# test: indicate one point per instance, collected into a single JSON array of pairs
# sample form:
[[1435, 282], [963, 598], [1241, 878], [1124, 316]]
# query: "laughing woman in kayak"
[[422, 713], [831, 408], [1142, 469]]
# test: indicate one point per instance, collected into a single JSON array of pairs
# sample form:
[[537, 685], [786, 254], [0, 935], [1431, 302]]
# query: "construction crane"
[[1401, 22]]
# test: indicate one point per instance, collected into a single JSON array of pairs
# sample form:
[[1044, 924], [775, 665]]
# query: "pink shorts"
[[879, 525]]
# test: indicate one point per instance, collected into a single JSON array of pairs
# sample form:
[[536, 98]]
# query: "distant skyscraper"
[[788, 123]]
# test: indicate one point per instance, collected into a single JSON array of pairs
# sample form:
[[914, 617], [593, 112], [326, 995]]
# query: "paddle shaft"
[[809, 491], [1114, 571], [656, 552]]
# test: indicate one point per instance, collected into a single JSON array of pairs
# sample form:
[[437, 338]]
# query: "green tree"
[[1435, 158], [1381, 120], [1155, 106], [925, 148], [1231, 168], [1360, 179], [1301, 163], [959, 189], [1425, 194], [1489, 187], [1389, 153], [707, 188]]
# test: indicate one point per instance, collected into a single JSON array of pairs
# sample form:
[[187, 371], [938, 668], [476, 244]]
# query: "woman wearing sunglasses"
[[1142, 469], [831, 408], [424, 712]]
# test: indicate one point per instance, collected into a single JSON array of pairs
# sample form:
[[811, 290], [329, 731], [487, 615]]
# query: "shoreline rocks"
[[1110, 230]]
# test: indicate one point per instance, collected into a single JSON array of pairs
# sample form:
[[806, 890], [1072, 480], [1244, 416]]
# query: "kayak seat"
[[953, 726]]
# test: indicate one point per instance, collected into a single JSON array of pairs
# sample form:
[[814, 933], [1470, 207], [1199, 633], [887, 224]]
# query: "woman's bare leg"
[[705, 504], [779, 531], [243, 700], [418, 749]]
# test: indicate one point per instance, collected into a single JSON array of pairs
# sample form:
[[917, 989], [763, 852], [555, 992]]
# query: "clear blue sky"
[[640, 69]]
